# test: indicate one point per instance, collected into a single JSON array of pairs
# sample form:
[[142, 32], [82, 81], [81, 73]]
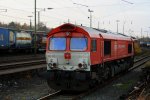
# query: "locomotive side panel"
[[114, 49], [95, 53], [110, 49], [122, 49], [117, 49]]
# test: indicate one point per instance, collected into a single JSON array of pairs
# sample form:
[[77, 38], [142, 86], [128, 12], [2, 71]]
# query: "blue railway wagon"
[[7, 38], [11, 39]]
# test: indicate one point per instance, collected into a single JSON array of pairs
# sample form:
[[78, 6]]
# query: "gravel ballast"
[[117, 88]]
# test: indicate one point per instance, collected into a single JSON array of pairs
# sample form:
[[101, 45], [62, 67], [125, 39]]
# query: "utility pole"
[[35, 27], [98, 25], [30, 22], [141, 32], [39, 13], [4, 10], [89, 10], [149, 32], [40, 9], [68, 20], [117, 25], [123, 27], [146, 36], [38, 19]]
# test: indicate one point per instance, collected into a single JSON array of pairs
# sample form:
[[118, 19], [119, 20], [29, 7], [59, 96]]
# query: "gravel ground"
[[24, 89], [117, 88]]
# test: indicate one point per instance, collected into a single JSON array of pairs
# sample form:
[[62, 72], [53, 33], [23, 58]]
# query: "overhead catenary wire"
[[14, 17], [22, 2], [65, 10]]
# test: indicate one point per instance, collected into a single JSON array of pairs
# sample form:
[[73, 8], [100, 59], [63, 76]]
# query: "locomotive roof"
[[104, 33], [92, 32]]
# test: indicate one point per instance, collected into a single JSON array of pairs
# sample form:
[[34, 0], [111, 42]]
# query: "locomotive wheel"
[[112, 74], [51, 86], [131, 62], [106, 73], [48, 82], [92, 83]]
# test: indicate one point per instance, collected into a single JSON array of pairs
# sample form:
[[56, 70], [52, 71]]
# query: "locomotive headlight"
[[79, 65], [49, 65], [83, 63], [54, 65], [51, 60]]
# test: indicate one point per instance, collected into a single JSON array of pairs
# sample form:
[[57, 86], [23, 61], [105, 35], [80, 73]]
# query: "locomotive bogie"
[[69, 80]]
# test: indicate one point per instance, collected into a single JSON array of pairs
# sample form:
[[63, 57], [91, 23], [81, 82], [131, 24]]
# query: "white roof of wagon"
[[95, 33]]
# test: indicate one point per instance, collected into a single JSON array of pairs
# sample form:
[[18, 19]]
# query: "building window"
[[107, 47], [94, 45]]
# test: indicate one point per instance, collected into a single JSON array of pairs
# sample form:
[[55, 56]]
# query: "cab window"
[[57, 44], [78, 44]]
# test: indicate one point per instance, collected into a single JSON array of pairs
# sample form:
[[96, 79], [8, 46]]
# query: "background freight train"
[[13, 40]]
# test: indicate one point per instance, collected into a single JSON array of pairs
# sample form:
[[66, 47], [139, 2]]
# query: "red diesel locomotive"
[[78, 56]]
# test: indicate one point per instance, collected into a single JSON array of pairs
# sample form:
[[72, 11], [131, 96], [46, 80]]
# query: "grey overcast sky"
[[134, 14]]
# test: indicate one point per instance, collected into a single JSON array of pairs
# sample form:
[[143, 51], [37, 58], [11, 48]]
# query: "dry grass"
[[147, 64]]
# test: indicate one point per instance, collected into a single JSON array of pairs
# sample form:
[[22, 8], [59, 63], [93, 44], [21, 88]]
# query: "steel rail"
[[20, 58], [49, 95], [9, 68], [21, 69], [137, 60], [21, 64]]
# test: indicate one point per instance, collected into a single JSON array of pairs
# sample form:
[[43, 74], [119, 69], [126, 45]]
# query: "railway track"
[[8, 68], [141, 90], [61, 95], [20, 58]]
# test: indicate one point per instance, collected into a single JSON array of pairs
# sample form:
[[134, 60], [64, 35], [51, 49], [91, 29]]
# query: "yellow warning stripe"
[[23, 38]]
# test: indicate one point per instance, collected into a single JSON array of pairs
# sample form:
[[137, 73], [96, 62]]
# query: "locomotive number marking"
[[121, 46]]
